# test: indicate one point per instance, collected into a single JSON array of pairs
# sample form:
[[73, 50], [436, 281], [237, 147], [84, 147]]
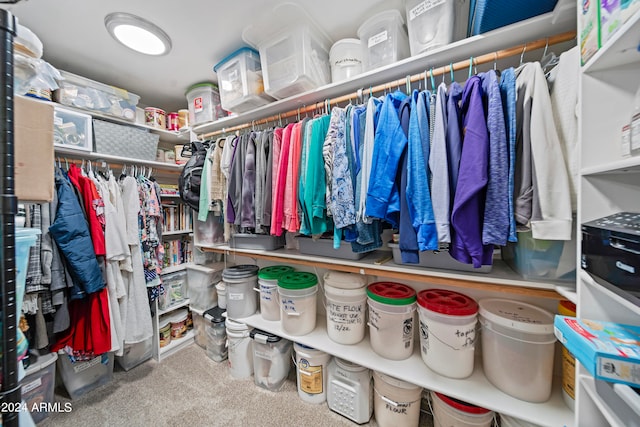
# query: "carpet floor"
[[189, 389]]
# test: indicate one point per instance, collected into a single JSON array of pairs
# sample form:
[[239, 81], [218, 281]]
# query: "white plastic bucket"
[[345, 57], [240, 349], [221, 289], [391, 324], [268, 288], [297, 296], [346, 305], [449, 412], [447, 331], [395, 402], [311, 373], [517, 347], [240, 280], [507, 421]]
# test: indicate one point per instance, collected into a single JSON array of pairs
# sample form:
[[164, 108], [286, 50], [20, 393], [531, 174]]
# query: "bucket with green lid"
[[268, 288], [392, 309], [297, 297]]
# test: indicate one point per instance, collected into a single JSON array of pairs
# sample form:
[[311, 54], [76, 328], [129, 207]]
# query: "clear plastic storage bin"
[[135, 354], [295, 60], [72, 129], [38, 385], [430, 24], [80, 378], [202, 285], [384, 40], [240, 81], [204, 103], [209, 232], [175, 289], [346, 59]]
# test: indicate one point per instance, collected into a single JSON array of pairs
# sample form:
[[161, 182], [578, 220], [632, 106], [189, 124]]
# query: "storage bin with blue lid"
[[240, 81], [487, 15]]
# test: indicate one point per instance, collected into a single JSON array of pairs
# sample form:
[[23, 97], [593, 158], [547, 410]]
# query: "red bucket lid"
[[391, 293], [447, 302], [462, 406]]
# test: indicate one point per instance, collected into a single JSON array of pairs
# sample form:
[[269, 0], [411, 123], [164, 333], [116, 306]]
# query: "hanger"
[[408, 84], [470, 66], [524, 49], [433, 80], [451, 71]]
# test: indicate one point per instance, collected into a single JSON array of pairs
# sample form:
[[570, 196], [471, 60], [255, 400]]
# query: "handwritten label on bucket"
[[345, 315]]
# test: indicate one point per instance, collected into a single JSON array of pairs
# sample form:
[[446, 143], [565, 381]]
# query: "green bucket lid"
[[391, 293], [297, 280], [203, 84], [274, 272]]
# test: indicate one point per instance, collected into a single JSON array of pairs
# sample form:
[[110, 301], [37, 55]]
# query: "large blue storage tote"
[[487, 15]]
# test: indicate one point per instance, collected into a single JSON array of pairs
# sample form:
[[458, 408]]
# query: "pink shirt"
[[291, 221], [277, 216]]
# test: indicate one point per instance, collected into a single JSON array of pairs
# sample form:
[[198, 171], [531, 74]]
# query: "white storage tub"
[[384, 40]]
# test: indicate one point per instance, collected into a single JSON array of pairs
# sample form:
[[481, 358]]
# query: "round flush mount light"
[[137, 33]]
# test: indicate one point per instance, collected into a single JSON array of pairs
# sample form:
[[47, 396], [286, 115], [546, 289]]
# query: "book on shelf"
[[609, 351], [176, 217], [177, 252], [169, 190]]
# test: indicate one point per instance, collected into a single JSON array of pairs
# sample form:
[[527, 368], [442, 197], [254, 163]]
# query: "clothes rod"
[[465, 64]]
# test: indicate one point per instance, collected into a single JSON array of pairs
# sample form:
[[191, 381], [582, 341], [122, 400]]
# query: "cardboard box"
[[33, 147], [609, 351]]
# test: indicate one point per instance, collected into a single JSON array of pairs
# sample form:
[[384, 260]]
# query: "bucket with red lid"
[[447, 331], [392, 309], [448, 411]]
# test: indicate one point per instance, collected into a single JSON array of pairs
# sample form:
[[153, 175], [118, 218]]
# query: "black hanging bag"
[[191, 176]]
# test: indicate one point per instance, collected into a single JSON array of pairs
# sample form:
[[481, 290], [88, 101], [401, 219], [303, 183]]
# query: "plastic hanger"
[[451, 71], [433, 80], [470, 66]]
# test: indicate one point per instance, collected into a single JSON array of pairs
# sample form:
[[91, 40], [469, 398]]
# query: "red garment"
[[93, 206], [90, 330]]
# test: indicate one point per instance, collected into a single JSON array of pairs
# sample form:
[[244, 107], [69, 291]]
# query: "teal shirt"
[[315, 182]]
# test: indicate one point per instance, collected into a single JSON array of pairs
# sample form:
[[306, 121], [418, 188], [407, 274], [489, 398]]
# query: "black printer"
[[611, 251]]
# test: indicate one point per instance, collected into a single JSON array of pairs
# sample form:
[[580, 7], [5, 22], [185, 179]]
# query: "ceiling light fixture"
[[137, 33]]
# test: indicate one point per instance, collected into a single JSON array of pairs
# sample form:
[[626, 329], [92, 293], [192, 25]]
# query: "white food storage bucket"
[[271, 359], [204, 103], [346, 304], [383, 39], [240, 350], [297, 295], [395, 402], [517, 345], [430, 24], [350, 390], [447, 331], [240, 280], [345, 57], [221, 290], [268, 288], [392, 309], [311, 373], [450, 412]]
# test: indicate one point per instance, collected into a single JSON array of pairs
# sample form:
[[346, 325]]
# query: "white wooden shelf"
[[620, 50], [502, 278], [169, 196], [524, 31], [175, 268], [97, 157], [569, 292], [176, 232], [625, 165], [184, 303], [588, 384], [177, 344], [475, 389]]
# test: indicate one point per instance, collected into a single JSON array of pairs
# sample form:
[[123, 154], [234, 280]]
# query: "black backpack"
[[191, 176]]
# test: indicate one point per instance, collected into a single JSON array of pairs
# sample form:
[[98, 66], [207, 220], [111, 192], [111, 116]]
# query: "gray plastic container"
[[324, 247], [256, 241], [439, 259]]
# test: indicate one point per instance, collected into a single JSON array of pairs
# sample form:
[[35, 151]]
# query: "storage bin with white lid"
[[430, 24], [216, 334], [517, 347], [346, 304], [201, 285], [204, 103], [384, 40], [271, 359], [240, 81], [345, 58], [39, 383]]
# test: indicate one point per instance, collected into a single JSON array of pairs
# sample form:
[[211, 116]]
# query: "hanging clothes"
[[439, 168], [468, 203], [93, 207], [374, 107], [277, 215], [342, 199], [408, 241], [454, 135], [508, 92], [315, 186], [248, 191], [234, 184], [291, 220], [263, 176]]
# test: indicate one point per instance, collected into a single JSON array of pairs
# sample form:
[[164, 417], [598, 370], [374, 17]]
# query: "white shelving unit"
[[177, 232], [609, 184], [176, 345], [184, 303]]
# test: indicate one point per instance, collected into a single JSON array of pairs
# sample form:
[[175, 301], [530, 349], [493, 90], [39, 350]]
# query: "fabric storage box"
[[437, 259], [256, 241], [324, 247], [135, 354], [487, 15], [202, 285], [175, 289], [295, 60], [80, 378], [204, 103], [38, 385], [80, 92], [536, 259], [125, 141], [430, 24], [384, 40], [240, 81], [209, 232], [72, 129]]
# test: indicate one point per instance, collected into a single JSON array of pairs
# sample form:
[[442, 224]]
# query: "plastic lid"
[[179, 315], [517, 315], [164, 322], [297, 280], [395, 381], [201, 85], [381, 17], [263, 336], [234, 54], [215, 315], [462, 406], [339, 43], [566, 308], [349, 366], [240, 271], [339, 279], [29, 42], [447, 302], [391, 293], [274, 272], [233, 325]]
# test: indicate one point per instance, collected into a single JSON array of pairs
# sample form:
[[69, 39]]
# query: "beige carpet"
[[189, 389]]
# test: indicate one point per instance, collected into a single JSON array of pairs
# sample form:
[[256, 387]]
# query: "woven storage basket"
[[125, 141]]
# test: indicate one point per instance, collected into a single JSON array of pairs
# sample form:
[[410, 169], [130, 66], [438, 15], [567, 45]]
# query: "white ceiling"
[[202, 32]]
